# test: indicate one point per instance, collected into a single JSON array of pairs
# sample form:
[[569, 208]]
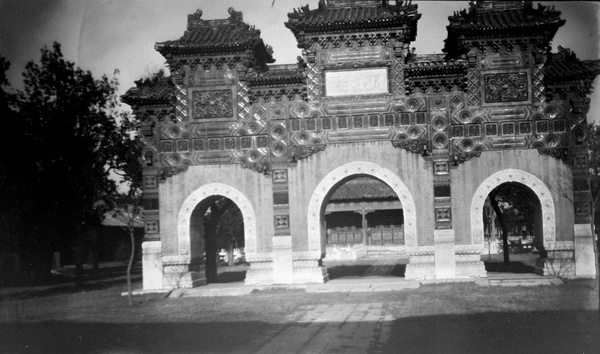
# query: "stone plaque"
[[356, 82]]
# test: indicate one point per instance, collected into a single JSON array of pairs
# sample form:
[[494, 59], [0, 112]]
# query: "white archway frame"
[[359, 168], [522, 177], [209, 190]]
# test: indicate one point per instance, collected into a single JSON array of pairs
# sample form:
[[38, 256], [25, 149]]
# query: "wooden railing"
[[380, 235], [383, 235]]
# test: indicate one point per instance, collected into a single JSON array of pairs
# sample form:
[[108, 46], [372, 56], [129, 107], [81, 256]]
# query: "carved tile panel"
[[212, 104], [506, 87]]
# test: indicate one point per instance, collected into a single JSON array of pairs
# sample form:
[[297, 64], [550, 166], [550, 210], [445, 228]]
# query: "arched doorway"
[[202, 212], [356, 173], [530, 229]]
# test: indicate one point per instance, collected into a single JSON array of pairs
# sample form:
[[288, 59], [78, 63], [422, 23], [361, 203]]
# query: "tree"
[[128, 165], [69, 139], [509, 200]]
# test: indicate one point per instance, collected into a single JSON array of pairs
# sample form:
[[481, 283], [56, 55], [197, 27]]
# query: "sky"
[[104, 35]]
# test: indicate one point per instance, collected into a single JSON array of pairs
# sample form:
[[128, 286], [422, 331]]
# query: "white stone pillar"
[[445, 258], [152, 267], [584, 251], [283, 265]]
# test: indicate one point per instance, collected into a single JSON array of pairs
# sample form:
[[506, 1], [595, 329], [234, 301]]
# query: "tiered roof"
[[154, 91], [363, 188], [278, 75], [340, 16], [491, 19], [564, 67], [216, 37]]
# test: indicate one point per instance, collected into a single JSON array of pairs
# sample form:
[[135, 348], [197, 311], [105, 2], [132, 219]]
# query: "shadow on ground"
[[361, 270], [490, 332]]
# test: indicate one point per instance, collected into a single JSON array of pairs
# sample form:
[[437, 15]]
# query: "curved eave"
[[384, 24], [146, 102]]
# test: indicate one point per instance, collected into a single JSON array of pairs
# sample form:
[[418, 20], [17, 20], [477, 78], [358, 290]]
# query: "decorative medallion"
[[279, 149], [551, 112], [438, 103], [441, 168], [439, 122], [278, 112], [279, 176], [464, 116], [413, 104], [151, 226], [150, 182], [282, 221], [212, 104], [457, 102], [440, 140], [278, 131], [442, 214]]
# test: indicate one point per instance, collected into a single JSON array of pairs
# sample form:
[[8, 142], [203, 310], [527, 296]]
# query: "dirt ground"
[[440, 318]]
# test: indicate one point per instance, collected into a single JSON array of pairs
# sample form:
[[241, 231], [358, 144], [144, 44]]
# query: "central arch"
[[316, 229], [211, 190], [532, 182]]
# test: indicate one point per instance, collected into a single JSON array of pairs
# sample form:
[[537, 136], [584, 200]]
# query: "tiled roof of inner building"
[[151, 91], [564, 67], [504, 19], [358, 17], [285, 75], [363, 188]]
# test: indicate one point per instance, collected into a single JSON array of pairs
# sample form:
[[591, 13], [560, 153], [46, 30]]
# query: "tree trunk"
[[230, 259], [498, 212], [130, 264]]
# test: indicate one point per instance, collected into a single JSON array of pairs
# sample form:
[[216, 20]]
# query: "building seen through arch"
[[294, 145]]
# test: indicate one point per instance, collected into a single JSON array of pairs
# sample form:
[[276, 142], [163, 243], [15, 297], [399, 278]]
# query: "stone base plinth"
[[309, 272], [260, 273], [421, 263], [469, 263], [152, 266], [560, 261], [445, 258], [585, 266], [283, 268], [182, 272]]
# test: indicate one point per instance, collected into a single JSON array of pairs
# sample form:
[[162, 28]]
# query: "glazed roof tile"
[[208, 37], [434, 65], [277, 75], [353, 15], [564, 67], [363, 188], [494, 19], [156, 91]]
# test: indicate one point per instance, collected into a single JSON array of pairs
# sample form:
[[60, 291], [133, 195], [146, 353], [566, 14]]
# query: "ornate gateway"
[[440, 130]]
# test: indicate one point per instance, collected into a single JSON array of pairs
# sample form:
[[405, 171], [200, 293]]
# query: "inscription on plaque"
[[357, 82]]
